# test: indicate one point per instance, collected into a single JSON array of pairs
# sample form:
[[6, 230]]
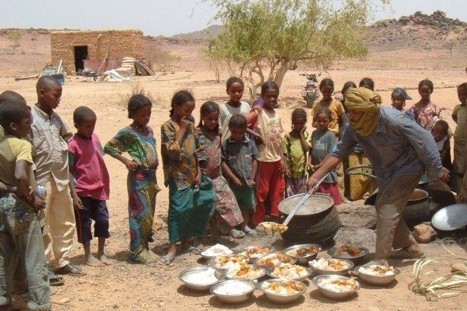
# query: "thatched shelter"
[[74, 47]]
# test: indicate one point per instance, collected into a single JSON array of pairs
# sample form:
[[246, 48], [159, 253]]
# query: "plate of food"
[[377, 274], [348, 251], [282, 291], [331, 266], [274, 259], [336, 286], [200, 278], [271, 228], [216, 250], [228, 262], [303, 252], [255, 252], [233, 291], [290, 272], [246, 272]]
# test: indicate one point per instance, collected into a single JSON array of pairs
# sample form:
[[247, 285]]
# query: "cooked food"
[[283, 287], [332, 264], [201, 277], [232, 288], [256, 251], [217, 250], [230, 261], [338, 284], [246, 271], [348, 249], [303, 251], [273, 260], [289, 271], [377, 270], [271, 227]]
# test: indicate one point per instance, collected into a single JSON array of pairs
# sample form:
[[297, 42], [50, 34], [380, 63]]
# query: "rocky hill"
[[418, 31]]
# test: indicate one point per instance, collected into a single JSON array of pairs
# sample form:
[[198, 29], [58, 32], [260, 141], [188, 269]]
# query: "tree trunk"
[[280, 73]]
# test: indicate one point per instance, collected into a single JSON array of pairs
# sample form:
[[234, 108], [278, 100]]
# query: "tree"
[[266, 38]]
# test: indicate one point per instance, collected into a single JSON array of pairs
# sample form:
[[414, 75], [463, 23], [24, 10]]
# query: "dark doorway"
[[81, 53]]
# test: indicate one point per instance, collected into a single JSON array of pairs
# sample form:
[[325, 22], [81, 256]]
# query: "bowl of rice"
[[216, 250], [377, 274], [282, 291], [233, 291], [200, 278], [290, 272], [331, 266], [336, 286]]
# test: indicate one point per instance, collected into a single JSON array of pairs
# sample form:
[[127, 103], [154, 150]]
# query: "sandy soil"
[[124, 286]]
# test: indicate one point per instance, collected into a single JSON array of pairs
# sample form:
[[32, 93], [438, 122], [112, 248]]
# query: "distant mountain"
[[201, 35]]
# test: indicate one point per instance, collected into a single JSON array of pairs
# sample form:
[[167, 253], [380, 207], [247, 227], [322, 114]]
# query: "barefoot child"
[[20, 232], [271, 164], [91, 188], [323, 143], [227, 214], [239, 165], [296, 145], [138, 141], [191, 195]]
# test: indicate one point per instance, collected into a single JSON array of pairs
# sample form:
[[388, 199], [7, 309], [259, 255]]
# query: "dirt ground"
[[125, 286]]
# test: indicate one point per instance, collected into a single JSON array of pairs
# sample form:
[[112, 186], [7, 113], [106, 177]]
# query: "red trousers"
[[270, 184]]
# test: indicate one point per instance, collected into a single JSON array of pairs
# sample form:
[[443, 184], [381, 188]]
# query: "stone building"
[[74, 47]]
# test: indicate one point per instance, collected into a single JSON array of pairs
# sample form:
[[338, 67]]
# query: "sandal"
[[166, 260], [54, 279], [195, 249], [237, 234], [71, 270]]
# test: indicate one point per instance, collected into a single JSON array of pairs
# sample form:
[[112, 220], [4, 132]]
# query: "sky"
[[163, 17]]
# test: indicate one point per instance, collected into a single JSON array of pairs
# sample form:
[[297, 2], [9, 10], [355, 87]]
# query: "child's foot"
[[103, 258], [237, 234], [153, 255], [250, 231], [93, 261]]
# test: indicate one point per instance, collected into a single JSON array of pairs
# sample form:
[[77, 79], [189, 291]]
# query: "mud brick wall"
[[117, 43]]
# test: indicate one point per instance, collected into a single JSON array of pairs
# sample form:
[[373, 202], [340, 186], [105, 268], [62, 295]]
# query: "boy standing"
[[49, 139], [20, 233], [91, 188], [239, 165], [459, 115]]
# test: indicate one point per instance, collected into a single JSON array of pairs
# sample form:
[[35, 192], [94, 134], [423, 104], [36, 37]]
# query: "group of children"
[[230, 172]]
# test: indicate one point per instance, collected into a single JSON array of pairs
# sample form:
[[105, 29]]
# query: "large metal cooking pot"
[[317, 221]]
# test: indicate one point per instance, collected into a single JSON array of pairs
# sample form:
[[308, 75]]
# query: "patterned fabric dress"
[[227, 211], [426, 115], [142, 186], [189, 208]]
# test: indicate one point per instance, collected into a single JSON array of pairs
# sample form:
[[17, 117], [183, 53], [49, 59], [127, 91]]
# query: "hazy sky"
[[161, 17]]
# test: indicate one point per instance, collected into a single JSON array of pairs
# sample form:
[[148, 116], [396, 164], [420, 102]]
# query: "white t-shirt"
[[270, 129], [226, 112]]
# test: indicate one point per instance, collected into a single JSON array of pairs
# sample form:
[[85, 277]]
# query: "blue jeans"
[[20, 236]]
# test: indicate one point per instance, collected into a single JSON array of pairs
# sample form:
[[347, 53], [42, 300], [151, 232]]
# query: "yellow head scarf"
[[366, 101]]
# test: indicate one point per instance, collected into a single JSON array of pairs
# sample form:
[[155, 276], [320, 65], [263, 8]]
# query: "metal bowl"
[[302, 260], [347, 256], [194, 284], [300, 278], [376, 279], [213, 261], [208, 256], [260, 261], [261, 272], [234, 296], [254, 257], [334, 294], [340, 272], [281, 298], [451, 217]]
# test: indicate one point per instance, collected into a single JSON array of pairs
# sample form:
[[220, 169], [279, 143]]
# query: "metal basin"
[[451, 217], [281, 297], [234, 291]]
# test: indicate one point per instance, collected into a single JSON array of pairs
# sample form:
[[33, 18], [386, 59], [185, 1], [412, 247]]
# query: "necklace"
[[140, 129]]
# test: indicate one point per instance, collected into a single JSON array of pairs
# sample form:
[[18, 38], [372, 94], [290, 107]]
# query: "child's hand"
[[77, 203], [302, 132], [131, 165], [185, 123], [237, 182], [39, 203]]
